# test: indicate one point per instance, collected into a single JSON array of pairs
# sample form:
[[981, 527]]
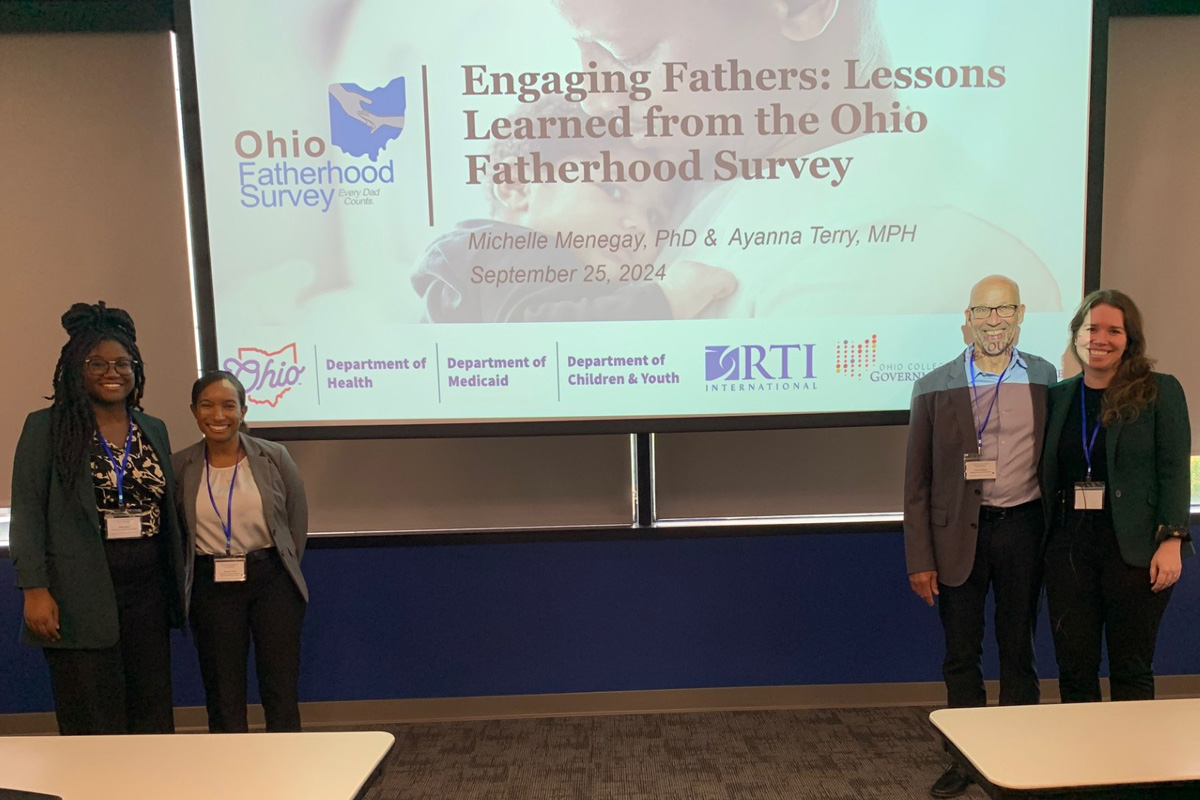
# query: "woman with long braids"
[[1115, 466], [94, 535]]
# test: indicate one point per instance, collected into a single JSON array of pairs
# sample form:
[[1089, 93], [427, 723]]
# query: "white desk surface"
[[1079, 744], [255, 766]]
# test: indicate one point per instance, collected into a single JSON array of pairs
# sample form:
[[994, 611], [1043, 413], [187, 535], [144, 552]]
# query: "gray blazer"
[[285, 507], [941, 510]]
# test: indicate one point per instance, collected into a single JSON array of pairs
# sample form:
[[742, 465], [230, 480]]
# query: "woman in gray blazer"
[[94, 537], [247, 522]]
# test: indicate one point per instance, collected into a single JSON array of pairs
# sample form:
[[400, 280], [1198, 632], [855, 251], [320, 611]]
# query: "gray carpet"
[[835, 754]]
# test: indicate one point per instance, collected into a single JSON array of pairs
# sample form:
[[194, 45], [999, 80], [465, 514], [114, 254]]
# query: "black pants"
[[1094, 595], [125, 688], [1008, 561], [267, 607]]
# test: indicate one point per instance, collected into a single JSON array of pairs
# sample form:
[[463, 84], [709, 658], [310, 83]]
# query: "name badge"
[[1089, 496], [229, 569], [123, 524], [977, 468]]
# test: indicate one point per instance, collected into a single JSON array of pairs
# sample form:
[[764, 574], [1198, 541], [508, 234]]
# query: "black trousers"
[[1095, 597], [125, 688], [266, 607], [1007, 561]]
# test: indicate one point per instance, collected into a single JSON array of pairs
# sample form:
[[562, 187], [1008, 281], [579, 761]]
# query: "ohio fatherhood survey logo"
[[288, 168]]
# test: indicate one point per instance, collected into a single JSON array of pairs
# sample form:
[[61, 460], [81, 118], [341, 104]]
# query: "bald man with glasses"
[[973, 513]]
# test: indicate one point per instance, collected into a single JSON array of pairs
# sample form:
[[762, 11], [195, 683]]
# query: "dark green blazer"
[[56, 542], [1149, 475]]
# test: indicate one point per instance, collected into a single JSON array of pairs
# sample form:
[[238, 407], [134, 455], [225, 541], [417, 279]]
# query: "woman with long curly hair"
[[94, 535], [1116, 469]]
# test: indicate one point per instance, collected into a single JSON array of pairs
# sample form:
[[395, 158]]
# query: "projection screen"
[[674, 211]]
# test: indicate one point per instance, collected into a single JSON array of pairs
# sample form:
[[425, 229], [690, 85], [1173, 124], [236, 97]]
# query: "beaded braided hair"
[[72, 420]]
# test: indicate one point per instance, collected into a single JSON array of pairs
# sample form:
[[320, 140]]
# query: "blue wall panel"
[[546, 617]]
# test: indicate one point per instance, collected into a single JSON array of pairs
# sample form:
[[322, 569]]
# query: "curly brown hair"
[[1132, 389]]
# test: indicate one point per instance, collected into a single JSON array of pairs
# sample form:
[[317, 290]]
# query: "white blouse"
[[250, 531]]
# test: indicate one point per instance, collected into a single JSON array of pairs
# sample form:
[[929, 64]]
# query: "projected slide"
[[582, 209]]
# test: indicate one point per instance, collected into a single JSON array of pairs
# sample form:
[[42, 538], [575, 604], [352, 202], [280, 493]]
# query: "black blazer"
[[1149, 466], [56, 541]]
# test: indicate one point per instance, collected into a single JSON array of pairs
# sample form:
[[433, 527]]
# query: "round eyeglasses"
[[99, 366]]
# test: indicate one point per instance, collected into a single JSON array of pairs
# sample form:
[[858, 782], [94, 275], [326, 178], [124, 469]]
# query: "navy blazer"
[[1149, 465], [56, 541]]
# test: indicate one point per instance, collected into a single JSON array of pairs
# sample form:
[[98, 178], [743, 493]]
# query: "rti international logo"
[[267, 375], [290, 169], [759, 367]]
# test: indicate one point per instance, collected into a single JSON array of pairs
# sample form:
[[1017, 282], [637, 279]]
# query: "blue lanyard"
[[227, 523], [119, 468], [1088, 446], [975, 392]]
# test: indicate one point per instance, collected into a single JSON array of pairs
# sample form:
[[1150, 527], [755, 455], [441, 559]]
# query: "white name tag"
[[122, 524], [229, 569], [977, 468], [1089, 496]]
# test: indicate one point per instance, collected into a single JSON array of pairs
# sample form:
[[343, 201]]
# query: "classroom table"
[[1140, 749], [203, 766]]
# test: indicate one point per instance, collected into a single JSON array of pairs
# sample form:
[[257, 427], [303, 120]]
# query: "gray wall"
[[92, 209]]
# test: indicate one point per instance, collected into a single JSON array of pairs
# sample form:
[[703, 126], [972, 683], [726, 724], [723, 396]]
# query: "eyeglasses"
[[1004, 312], [99, 366]]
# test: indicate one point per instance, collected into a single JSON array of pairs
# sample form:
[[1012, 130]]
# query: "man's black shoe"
[[952, 783]]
